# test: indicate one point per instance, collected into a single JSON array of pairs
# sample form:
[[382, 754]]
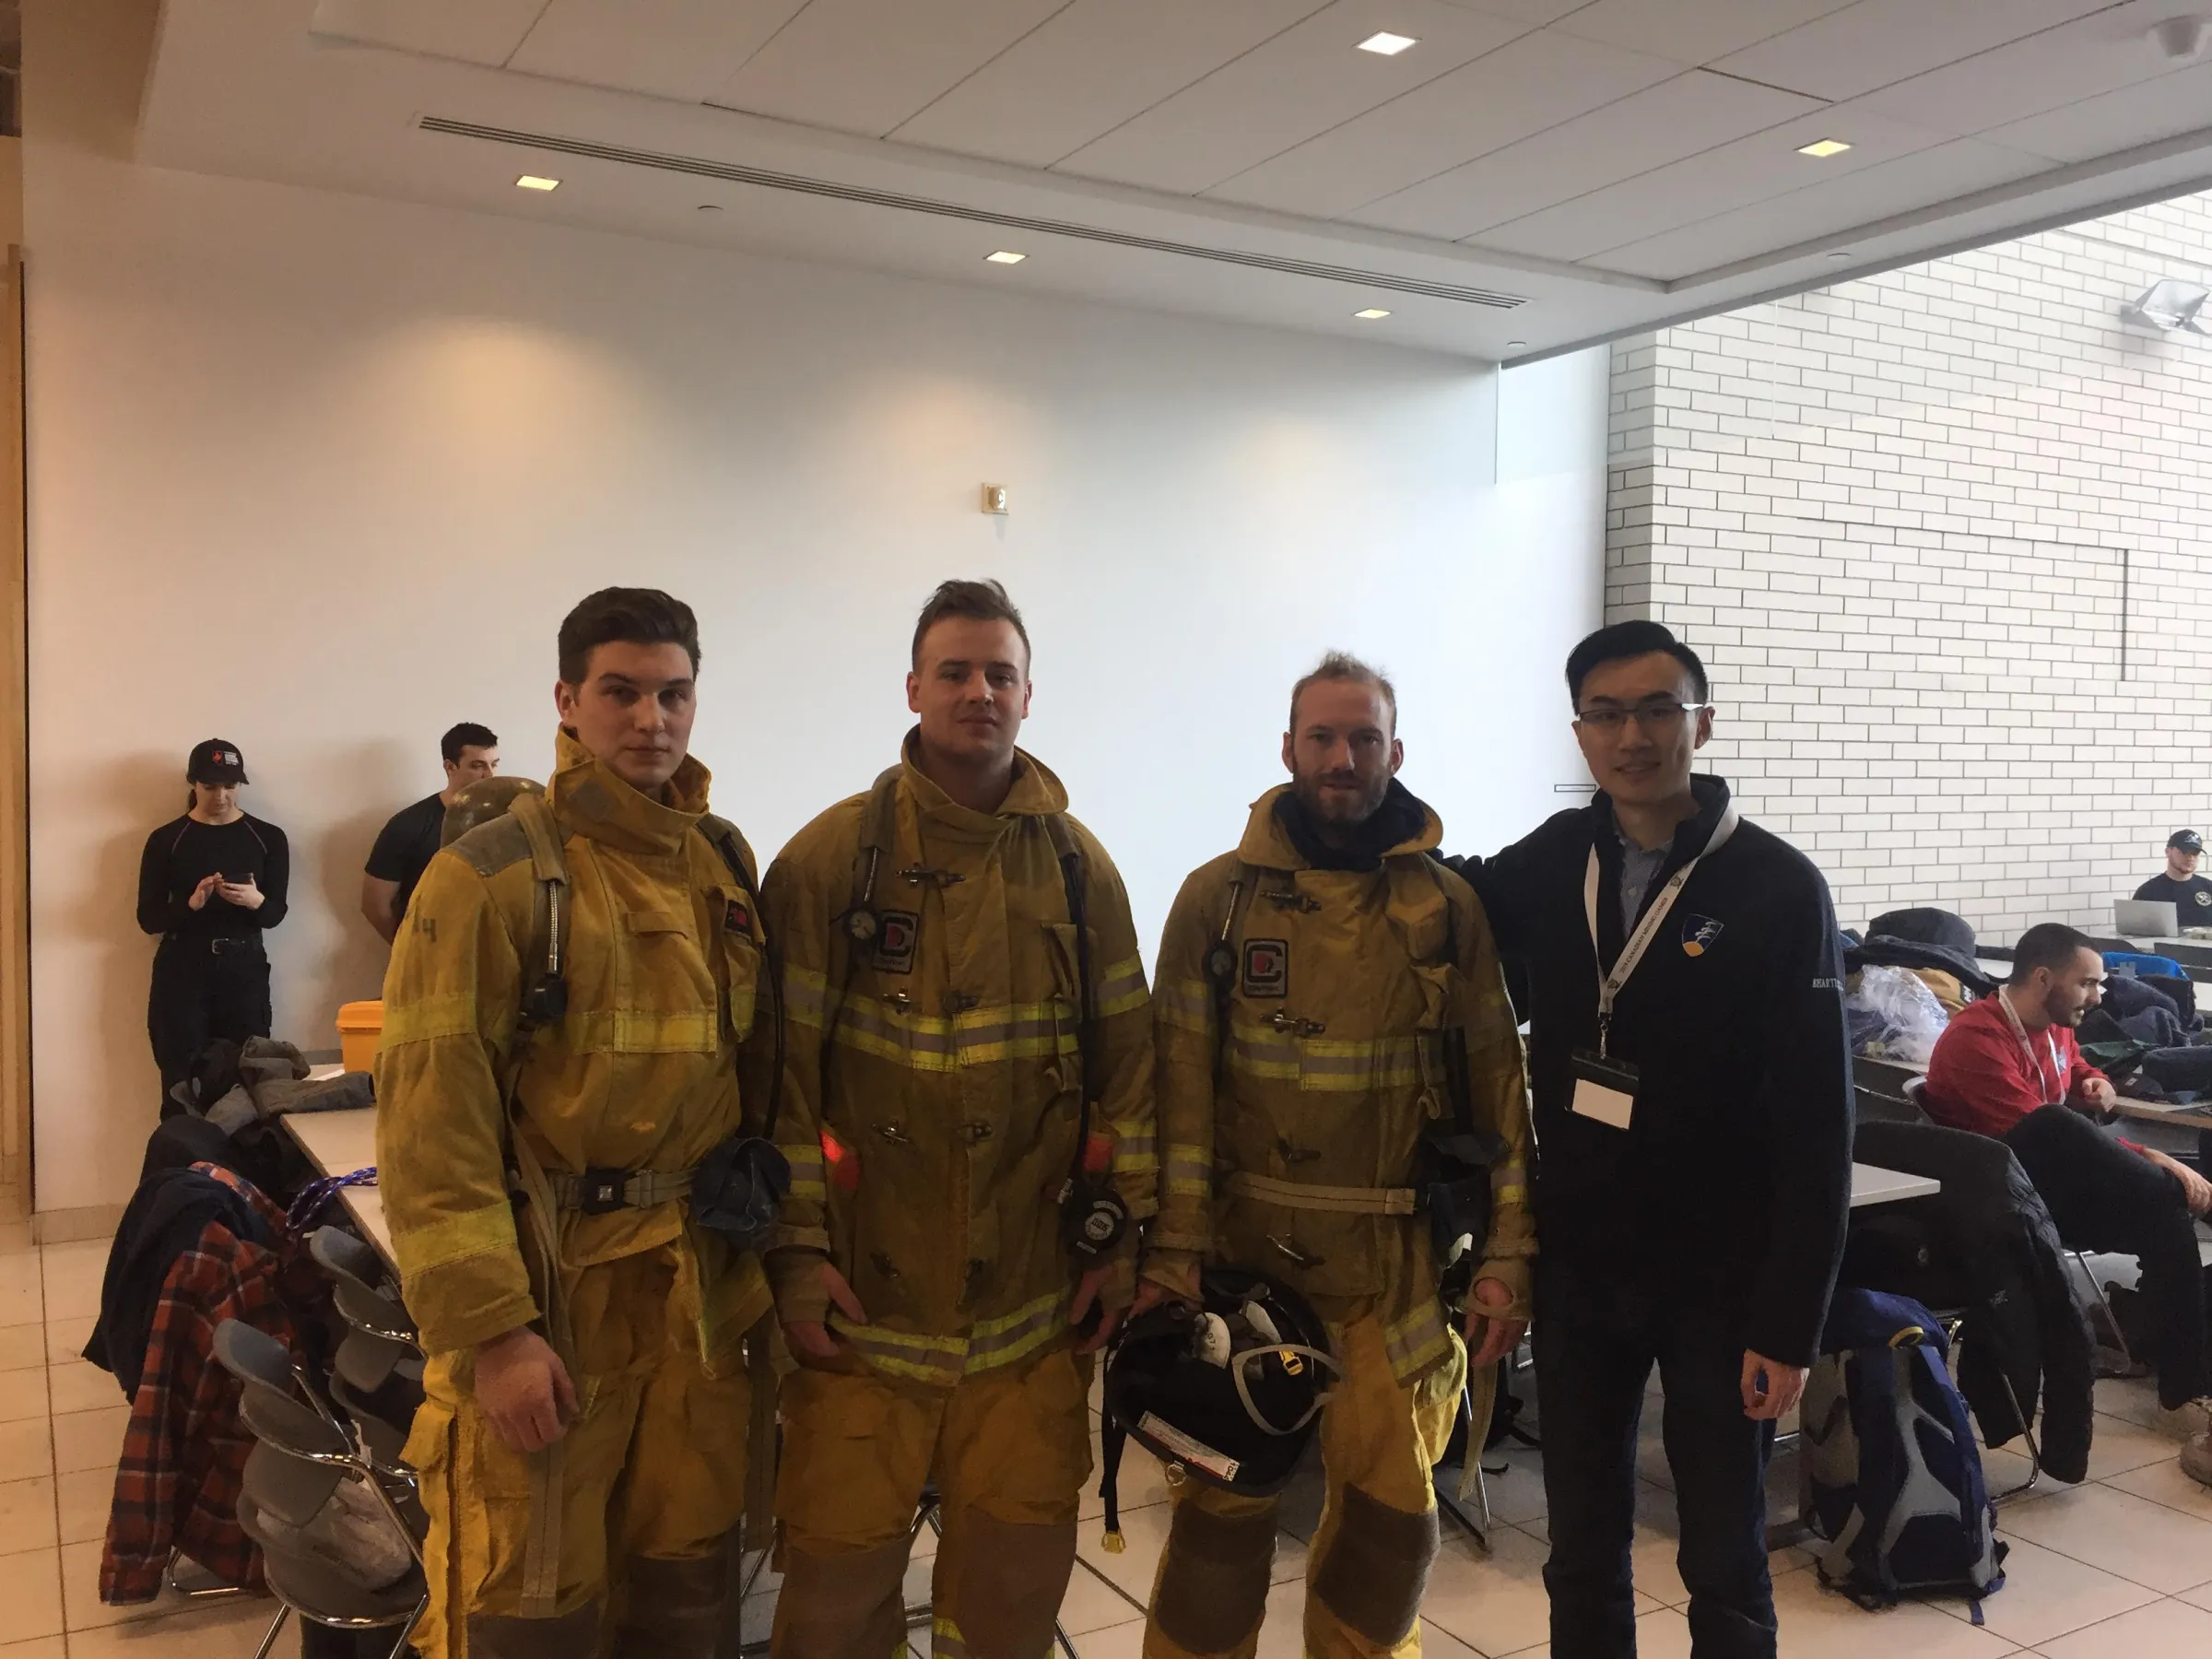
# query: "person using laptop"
[[2180, 884]]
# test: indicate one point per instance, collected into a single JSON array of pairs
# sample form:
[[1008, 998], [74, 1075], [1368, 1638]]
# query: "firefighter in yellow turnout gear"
[[582, 1447], [1350, 968], [934, 1110]]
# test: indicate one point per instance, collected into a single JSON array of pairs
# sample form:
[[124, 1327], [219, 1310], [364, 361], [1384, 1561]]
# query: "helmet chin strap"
[[1242, 1363]]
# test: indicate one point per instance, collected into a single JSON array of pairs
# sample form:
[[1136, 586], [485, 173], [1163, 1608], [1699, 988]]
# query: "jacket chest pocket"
[[743, 961], [665, 1000]]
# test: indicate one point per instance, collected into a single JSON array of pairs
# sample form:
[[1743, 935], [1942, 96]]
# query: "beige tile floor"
[[2119, 1566]]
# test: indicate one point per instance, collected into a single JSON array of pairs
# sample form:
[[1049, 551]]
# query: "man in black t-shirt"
[[2181, 885], [408, 843]]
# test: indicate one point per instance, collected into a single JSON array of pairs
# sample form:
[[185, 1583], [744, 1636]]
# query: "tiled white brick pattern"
[[1898, 517]]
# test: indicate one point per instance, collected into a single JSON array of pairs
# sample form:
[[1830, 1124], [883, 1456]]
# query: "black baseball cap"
[[2188, 841], [215, 762]]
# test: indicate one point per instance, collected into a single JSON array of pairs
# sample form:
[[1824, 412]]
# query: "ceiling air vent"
[[795, 183]]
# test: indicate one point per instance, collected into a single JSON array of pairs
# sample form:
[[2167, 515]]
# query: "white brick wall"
[[1895, 517]]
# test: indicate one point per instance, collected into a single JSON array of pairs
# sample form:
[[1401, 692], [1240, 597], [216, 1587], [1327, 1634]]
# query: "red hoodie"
[[1983, 1078]]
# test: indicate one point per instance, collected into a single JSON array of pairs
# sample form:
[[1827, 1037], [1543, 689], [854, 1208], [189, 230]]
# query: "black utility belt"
[[215, 943]]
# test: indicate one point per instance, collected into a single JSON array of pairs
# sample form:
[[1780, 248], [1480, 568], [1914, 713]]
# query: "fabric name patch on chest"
[[895, 941], [1266, 967]]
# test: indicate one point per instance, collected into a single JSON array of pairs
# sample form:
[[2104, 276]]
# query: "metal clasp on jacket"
[[1297, 1256], [1291, 899], [916, 874], [1283, 1020]]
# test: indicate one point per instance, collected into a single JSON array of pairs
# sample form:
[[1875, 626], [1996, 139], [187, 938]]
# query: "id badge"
[[1603, 1089]]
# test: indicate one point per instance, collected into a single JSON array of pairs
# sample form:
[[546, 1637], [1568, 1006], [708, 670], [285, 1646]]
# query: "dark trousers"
[[1596, 1340], [2105, 1197], [200, 993]]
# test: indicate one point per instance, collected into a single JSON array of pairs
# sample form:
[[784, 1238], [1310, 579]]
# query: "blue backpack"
[[1892, 1473]]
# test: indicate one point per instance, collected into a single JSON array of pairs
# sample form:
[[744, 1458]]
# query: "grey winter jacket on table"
[[2022, 1322]]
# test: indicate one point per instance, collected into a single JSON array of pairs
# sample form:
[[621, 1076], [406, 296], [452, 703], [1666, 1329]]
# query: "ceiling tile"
[[1877, 41], [1090, 69], [1302, 82], [484, 32], [1733, 175], [1525, 86], [2046, 71], [1524, 11], [1957, 169], [2171, 105], [1677, 118], [866, 66], [682, 49], [1694, 31]]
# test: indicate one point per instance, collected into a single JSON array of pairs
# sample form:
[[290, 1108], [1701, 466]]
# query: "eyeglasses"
[[1653, 714]]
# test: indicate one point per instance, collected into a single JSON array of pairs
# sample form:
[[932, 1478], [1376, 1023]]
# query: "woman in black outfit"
[[210, 884]]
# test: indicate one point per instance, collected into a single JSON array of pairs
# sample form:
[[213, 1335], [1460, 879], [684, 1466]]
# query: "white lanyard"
[[2058, 1068], [1632, 952]]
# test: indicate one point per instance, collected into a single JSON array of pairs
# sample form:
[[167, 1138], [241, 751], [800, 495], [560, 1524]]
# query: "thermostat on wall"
[[995, 498]]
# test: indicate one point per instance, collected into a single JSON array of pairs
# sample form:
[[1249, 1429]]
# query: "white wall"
[[320, 475]]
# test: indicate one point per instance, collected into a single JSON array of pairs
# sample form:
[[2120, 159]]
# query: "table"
[[1871, 1185], [337, 1143]]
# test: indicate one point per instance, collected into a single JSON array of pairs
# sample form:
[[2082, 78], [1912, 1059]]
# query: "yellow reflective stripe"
[[1189, 1170], [991, 1342], [1185, 1002], [907, 1353], [1515, 1193], [458, 1238], [805, 995], [1138, 1151], [641, 1031], [1122, 988], [1416, 1342], [421, 1018], [807, 1181], [944, 1640], [1317, 1063], [931, 1043]]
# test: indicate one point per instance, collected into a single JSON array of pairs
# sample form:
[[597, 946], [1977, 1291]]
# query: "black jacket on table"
[[1732, 1184]]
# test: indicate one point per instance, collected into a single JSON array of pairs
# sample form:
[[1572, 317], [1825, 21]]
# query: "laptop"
[[2145, 919]]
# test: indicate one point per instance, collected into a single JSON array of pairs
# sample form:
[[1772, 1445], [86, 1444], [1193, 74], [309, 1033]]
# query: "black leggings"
[[2111, 1200], [199, 995]]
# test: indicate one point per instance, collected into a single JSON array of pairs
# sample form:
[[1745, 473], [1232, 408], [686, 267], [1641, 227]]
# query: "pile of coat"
[[234, 1084]]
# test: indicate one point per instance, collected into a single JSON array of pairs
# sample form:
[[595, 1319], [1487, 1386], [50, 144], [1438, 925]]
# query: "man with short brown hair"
[[967, 1114], [1329, 998]]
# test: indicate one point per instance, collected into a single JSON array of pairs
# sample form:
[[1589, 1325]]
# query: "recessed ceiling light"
[[1841, 253], [532, 181], [1003, 257], [1386, 44], [710, 206], [1821, 149], [1516, 345], [1371, 315]]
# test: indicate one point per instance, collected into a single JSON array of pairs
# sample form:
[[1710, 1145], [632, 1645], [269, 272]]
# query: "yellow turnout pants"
[[1008, 1450], [651, 1476], [1371, 1556]]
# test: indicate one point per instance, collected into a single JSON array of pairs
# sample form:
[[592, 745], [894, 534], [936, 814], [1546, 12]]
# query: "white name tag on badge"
[[1604, 1090], [1606, 1105]]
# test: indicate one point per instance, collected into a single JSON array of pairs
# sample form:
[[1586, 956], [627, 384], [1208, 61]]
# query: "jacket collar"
[[1711, 792], [1268, 845], [587, 796], [1036, 793]]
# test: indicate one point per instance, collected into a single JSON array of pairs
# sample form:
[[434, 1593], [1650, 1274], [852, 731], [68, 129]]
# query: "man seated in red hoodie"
[[2010, 1066]]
